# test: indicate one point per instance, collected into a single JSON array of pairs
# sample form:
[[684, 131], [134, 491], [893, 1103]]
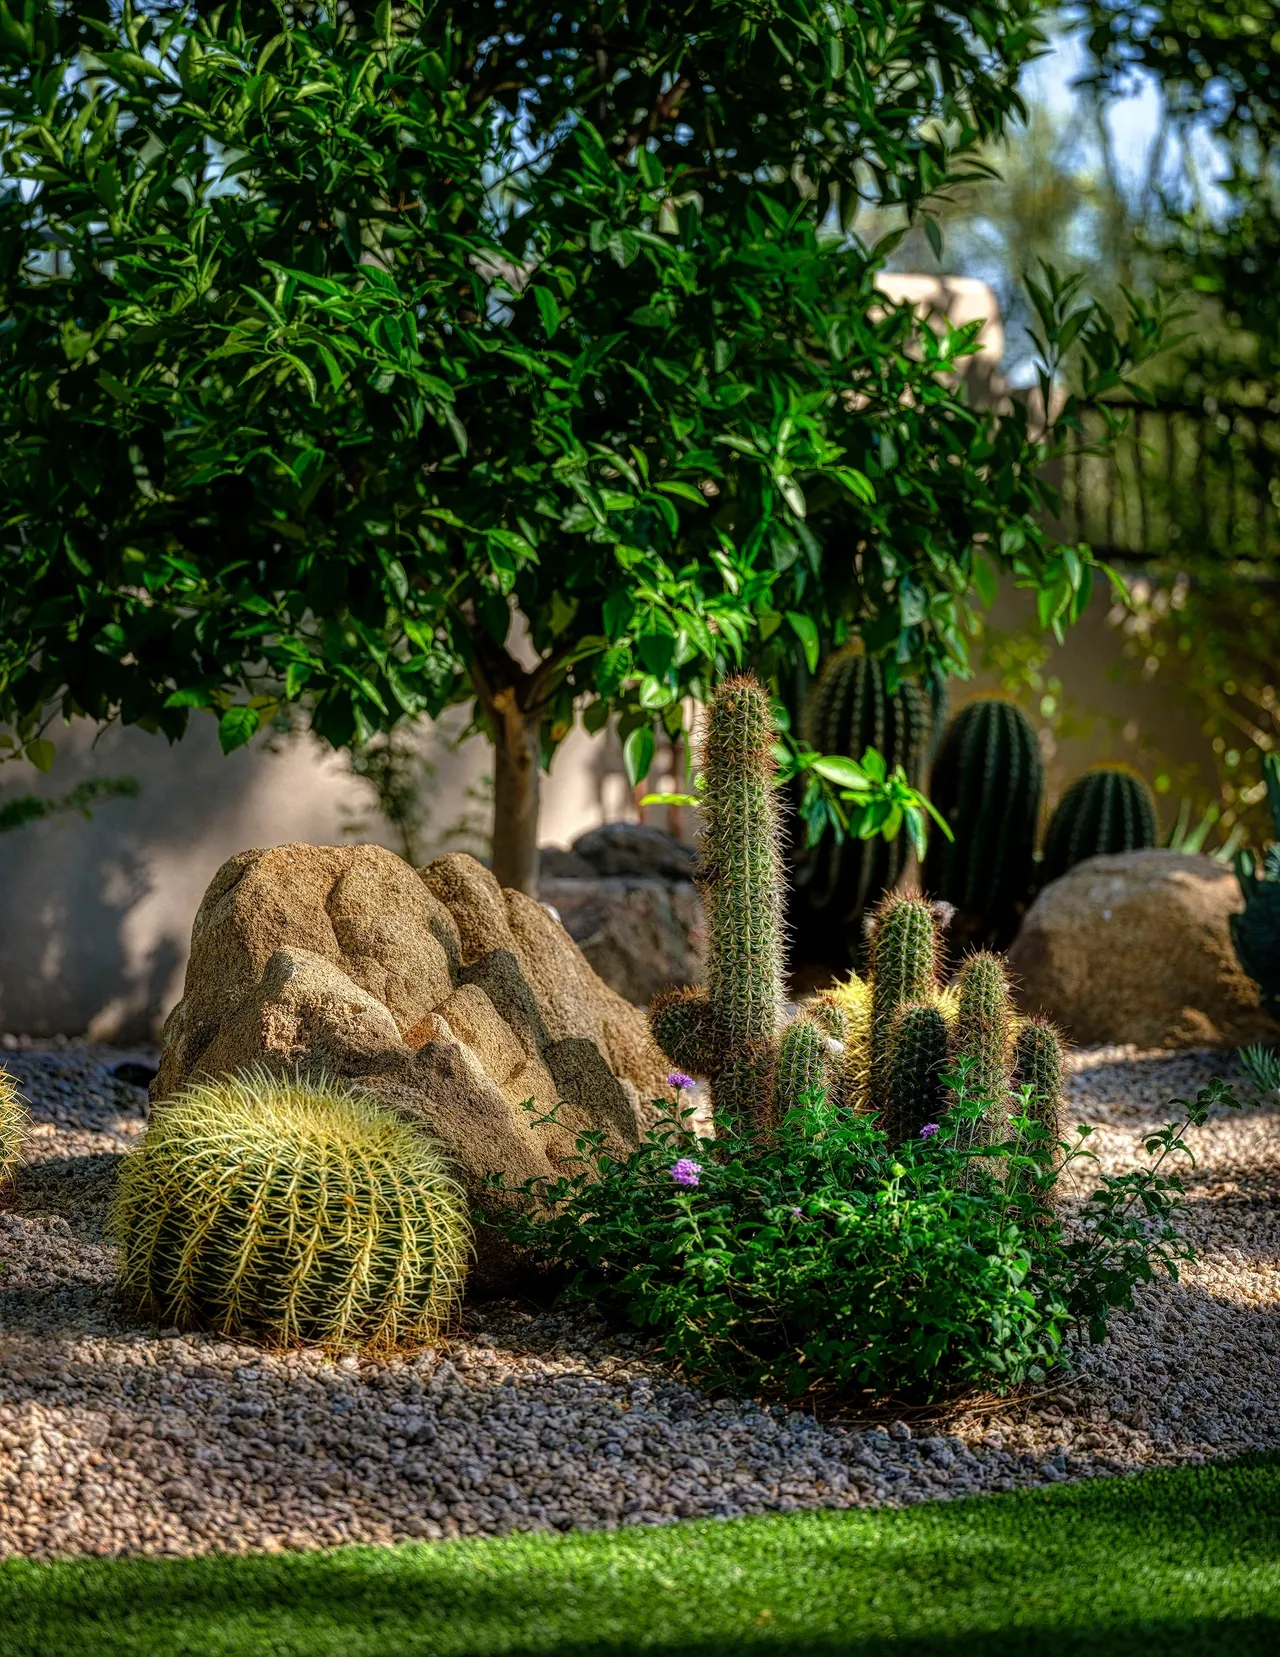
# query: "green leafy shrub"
[[833, 1262], [293, 1212], [14, 1122]]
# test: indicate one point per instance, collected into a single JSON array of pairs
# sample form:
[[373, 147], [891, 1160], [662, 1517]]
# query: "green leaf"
[[548, 309], [236, 727], [806, 630], [672, 799], [41, 753], [637, 753], [847, 773]]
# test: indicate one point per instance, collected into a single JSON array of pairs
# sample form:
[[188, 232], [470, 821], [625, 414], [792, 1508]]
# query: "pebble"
[[117, 1438]]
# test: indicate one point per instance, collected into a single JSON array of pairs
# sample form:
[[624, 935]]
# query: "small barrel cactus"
[[291, 1211], [1255, 932], [1108, 809], [904, 969], [988, 782], [914, 1094], [1037, 1066], [14, 1123]]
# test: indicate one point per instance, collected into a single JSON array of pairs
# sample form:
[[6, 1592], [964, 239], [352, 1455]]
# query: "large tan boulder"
[[1137, 948], [454, 1000]]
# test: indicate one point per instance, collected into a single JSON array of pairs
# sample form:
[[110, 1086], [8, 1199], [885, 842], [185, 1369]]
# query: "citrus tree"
[[518, 354]]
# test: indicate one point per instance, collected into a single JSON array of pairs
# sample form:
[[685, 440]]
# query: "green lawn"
[[1187, 1561]]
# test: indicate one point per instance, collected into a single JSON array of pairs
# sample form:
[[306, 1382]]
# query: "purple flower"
[[928, 1131], [797, 1213], [686, 1172], [678, 1080]]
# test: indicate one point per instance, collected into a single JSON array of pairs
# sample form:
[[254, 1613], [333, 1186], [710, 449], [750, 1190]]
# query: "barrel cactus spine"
[[291, 1211], [14, 1124], [988, 782], [1106, 810]]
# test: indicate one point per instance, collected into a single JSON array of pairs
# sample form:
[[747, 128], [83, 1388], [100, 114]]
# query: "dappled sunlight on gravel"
[[118, 1438]]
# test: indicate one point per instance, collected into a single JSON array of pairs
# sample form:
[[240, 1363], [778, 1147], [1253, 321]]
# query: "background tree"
[[386, 360]]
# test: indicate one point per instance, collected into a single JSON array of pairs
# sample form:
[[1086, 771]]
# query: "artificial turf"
[[1169, 1562]]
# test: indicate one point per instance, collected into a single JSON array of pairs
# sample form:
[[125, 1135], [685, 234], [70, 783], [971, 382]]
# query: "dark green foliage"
[[904, 969], [802, 1065], [1255, 931], [850, 710], [31, 808], [988, 782], [320, 436], [982, 1036], [828, 1260], [1109, 809], [914, 1094]]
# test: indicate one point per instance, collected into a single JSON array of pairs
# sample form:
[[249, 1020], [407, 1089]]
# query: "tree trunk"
[[517, 777]]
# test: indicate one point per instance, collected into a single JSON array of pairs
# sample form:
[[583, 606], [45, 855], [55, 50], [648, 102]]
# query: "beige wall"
[[95, 917]]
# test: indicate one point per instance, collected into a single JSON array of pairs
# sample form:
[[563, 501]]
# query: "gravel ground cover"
[[118, 1438]]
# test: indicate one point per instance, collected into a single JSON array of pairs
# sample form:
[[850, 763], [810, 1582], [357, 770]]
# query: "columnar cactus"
[[291, 1211], [14, 1123], [1037, 1066], [802, 1066], [1108, 809], [914, 1094], [988, 782], [1255, 932], [850, 710], [730, 1032], [984, 1031], [904, 969]]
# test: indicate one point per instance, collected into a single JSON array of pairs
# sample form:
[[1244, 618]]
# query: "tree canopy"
[[510, 351]]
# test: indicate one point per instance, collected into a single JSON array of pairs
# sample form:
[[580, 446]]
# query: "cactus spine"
[[293, 1212], [904, 967], [917, 1057], [852, 709], [1255, 932], [988, 782], [14, 1123], [1108, 809]]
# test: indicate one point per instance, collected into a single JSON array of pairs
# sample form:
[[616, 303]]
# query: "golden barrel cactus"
[[292, 1211]]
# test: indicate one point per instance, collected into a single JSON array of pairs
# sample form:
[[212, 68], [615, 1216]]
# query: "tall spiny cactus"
[[1037, 1066], [851, 709], [730, 1032], [292, 1211], [914, 1094], [988, 782], [1108, 809], [14, 1123], [904, 969], [1255, 932], [983, 1034]]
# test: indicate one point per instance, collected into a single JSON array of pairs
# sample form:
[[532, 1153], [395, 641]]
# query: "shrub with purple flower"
[[685, 1172], [678, 1080], [928, 1131]]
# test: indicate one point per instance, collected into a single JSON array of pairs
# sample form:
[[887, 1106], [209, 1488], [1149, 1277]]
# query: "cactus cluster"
[[988, 782], [14, 1122], [851, 708], [1109, 809], [879, 1043], [1255, 931], [291, 1211]]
